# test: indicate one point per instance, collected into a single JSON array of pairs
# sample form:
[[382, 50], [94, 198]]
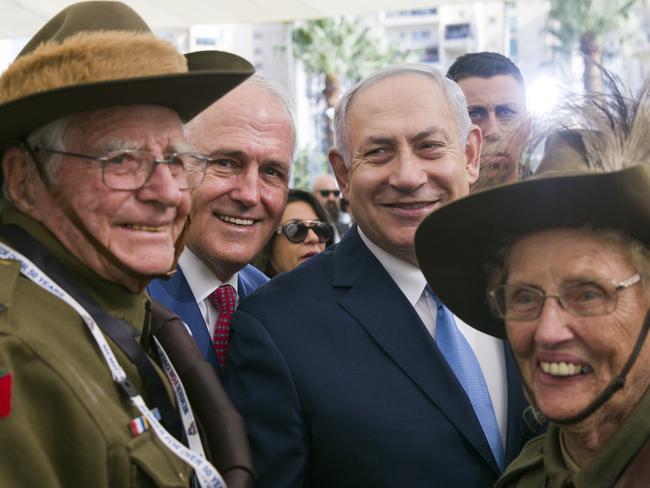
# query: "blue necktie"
[[463, 362]]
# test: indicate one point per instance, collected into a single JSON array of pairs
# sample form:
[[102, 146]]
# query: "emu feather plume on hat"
[[596, 172]]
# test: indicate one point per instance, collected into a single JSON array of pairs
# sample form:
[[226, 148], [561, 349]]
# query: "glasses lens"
[[295, 232], [188, 169], [327, 193], [322, 230], [588, 299], [127, 170], [517, 302]]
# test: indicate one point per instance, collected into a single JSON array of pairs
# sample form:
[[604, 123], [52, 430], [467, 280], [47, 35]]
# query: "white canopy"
[[22, 18]]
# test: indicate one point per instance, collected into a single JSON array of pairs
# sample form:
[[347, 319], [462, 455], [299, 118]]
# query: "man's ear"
[[341, 171], [473, 153], [19, 179]]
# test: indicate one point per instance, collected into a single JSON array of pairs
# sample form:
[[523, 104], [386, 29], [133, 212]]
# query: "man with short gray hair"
[[249, 136], [336, 366]]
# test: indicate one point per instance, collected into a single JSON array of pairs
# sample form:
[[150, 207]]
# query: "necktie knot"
[[224, 299]]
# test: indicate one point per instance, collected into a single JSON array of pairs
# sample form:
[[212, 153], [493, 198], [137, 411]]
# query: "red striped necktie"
[[224, 300]]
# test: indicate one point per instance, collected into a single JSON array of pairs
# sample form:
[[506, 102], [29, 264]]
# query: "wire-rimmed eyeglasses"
[[131, 169], [581, 299]]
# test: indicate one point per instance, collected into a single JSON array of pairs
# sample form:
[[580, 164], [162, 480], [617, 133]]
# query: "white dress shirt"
[[203, 282], [488, 350]]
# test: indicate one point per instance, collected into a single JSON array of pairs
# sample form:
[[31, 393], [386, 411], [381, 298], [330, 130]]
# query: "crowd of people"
[[430, 313]]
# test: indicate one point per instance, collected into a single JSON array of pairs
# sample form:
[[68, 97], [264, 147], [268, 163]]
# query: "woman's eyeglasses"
[[296, 231], [581, 299]]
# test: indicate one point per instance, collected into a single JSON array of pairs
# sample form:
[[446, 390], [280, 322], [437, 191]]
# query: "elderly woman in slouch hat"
[[560, 265]]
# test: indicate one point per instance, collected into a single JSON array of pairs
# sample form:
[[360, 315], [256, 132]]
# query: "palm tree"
[[582, 24], [338, 51]]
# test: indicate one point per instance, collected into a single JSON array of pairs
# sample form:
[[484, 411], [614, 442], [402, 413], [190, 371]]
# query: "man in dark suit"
[[334, 366], [249, 137]]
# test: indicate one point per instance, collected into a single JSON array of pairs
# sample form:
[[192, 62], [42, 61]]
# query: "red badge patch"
[[5, 393]]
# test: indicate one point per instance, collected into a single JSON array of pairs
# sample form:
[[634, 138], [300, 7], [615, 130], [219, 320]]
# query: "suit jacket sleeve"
[[262, 388]]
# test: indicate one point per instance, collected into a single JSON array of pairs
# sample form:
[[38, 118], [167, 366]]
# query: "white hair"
[[50, 136], [285, 99], [451, 90]]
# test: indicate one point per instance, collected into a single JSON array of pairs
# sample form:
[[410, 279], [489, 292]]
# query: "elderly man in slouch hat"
[[95, 176]]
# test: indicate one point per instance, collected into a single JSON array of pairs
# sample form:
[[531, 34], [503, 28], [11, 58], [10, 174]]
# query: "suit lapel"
[[377, 303], [176, 294]]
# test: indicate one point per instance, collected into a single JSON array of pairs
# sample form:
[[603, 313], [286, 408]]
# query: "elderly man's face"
[[406, 159], [249, 136], [138, 227], [498, 106], [567, 360]]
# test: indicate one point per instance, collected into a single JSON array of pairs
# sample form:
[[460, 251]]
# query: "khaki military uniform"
[[69, 422], [541, 462]]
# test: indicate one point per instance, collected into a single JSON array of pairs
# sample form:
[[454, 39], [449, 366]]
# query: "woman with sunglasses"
[[303, 233]]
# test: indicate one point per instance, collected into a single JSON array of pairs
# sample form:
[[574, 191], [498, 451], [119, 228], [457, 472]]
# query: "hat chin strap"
[[141, 279], [615, 385]]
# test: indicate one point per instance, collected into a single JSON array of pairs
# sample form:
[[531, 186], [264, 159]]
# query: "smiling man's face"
[[138, 227], [406, 159], [249, 137]]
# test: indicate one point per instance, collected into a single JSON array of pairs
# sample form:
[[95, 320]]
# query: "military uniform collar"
[[113, 298]]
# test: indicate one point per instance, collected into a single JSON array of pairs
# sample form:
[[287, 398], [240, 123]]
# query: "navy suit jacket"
[[175, 294], [341, 384]]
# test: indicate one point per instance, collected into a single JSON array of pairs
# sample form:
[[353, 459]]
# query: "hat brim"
[[186, 93], [455, 243]]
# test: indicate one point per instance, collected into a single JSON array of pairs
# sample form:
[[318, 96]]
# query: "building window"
[[419, 35], [457, 31], [514, 48], [512, 23], [431, 55], [413, 13], [206, 41]]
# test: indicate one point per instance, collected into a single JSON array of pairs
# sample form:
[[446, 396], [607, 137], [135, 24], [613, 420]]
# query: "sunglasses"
[[327, 193], [297, 230]]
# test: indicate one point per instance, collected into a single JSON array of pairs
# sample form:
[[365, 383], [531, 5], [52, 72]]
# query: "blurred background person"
[[328, 194], [303, 233], [496, 101]]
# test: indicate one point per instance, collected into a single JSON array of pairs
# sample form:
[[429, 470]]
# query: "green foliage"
[[569, 20], [309, 162], [343, 46]]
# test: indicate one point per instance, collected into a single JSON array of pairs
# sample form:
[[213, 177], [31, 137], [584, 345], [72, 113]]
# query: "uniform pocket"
[[152, 464]]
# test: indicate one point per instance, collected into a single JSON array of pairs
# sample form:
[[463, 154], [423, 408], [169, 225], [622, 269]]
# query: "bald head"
[[255, 98], [327, 192]]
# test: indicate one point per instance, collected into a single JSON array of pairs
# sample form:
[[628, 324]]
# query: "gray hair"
[[51, 136], [285, 99], [451, 90]]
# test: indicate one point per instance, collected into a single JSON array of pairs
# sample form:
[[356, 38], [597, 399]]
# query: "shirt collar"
[[202, 281], [407, 277]]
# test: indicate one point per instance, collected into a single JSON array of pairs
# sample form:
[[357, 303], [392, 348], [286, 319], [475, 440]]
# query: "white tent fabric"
[[22, 18]]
